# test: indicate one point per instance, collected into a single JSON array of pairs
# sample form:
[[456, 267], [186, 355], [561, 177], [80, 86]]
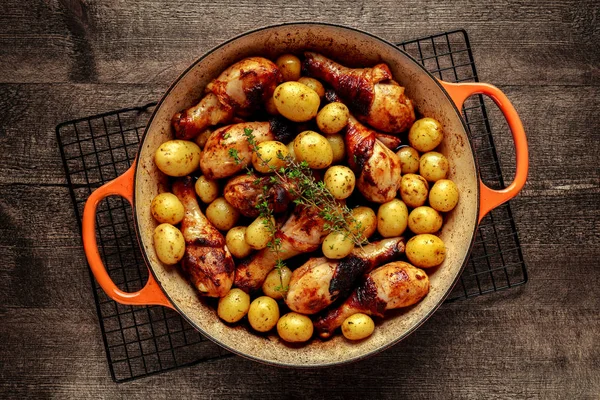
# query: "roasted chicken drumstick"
[[394, 285], [240, 90], [302, 233], [320, 281], [377, 167], [207, 260], [370, 93], [228, 152]]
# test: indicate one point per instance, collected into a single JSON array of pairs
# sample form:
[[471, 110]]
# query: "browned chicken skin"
[[320, 281], [244, 192], [217, 160], [377, 167], [394, 285], [302, 233], [240, 90], [370, 93], [207, 260]]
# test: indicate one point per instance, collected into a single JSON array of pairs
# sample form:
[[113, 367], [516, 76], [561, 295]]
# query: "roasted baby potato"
[[338, 147], [337, 245], [166, 207], [340, 181], [313, 84], [295, 328], [236, 242], [364, 221], [358, 326], [258, 234], [413, 190], [206, 189], [168, 243], [290, 67], [433, 166], [333, 118], [443, 196], [269, 155], [424, 220], [392, 218], [277, 282], [409, 160], [425, 134], [263, 314], [296, 102], [177, 157], [425, 250], [313, 148], [221, 214], [234, 305]]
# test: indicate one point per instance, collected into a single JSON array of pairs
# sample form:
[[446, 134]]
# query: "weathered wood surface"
[[65, 59]]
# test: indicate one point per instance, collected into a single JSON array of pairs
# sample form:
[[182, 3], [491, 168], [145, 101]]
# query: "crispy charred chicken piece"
[[320, 281], [377, 167], [207, 260], [370, 93], [302, 233], [394, 285], [228, 152], [244, 192], [240, 90]]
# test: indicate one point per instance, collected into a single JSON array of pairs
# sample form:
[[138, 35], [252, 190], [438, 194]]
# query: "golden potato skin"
[[433, 166], [313, 84], [277, 283], [413, 190], [236, 242], [425, 134], [313, 148], [392, 218], [206, 189], [177, 157], [166, 207], [258, 234], [290, 67], [409, 160], [358, 326], [263, 314], [296, 102], [443, 196], [269, 155], [333, 118], [168, 244], [424, 220], [425, 250], [340, 181], [365, 219], [338, 147], [222, 214], [202, 138], [295, 328], [337, 245], [234, 305]]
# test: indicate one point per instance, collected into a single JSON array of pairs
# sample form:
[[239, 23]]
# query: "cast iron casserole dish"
[[166, 285]]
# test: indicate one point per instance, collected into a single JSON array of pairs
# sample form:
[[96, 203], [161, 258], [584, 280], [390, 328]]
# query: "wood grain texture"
[[63, 59]]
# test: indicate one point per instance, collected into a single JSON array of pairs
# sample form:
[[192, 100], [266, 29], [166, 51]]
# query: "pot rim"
[[408, 331]]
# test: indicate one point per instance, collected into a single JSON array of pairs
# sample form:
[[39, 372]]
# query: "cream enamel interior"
[[352, 48]]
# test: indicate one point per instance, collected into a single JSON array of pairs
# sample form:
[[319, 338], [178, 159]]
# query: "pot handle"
[[151, 293], [490, 198]]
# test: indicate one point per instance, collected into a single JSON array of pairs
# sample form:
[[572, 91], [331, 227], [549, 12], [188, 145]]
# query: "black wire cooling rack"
[[140, 341]]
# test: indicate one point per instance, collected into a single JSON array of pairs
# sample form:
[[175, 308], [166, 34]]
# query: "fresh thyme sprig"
[[298, 178]]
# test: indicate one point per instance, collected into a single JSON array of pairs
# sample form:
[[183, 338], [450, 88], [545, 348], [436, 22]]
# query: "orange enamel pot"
[[441, 100]]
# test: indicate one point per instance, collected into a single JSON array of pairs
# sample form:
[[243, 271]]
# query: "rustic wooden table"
[[69, 58]]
